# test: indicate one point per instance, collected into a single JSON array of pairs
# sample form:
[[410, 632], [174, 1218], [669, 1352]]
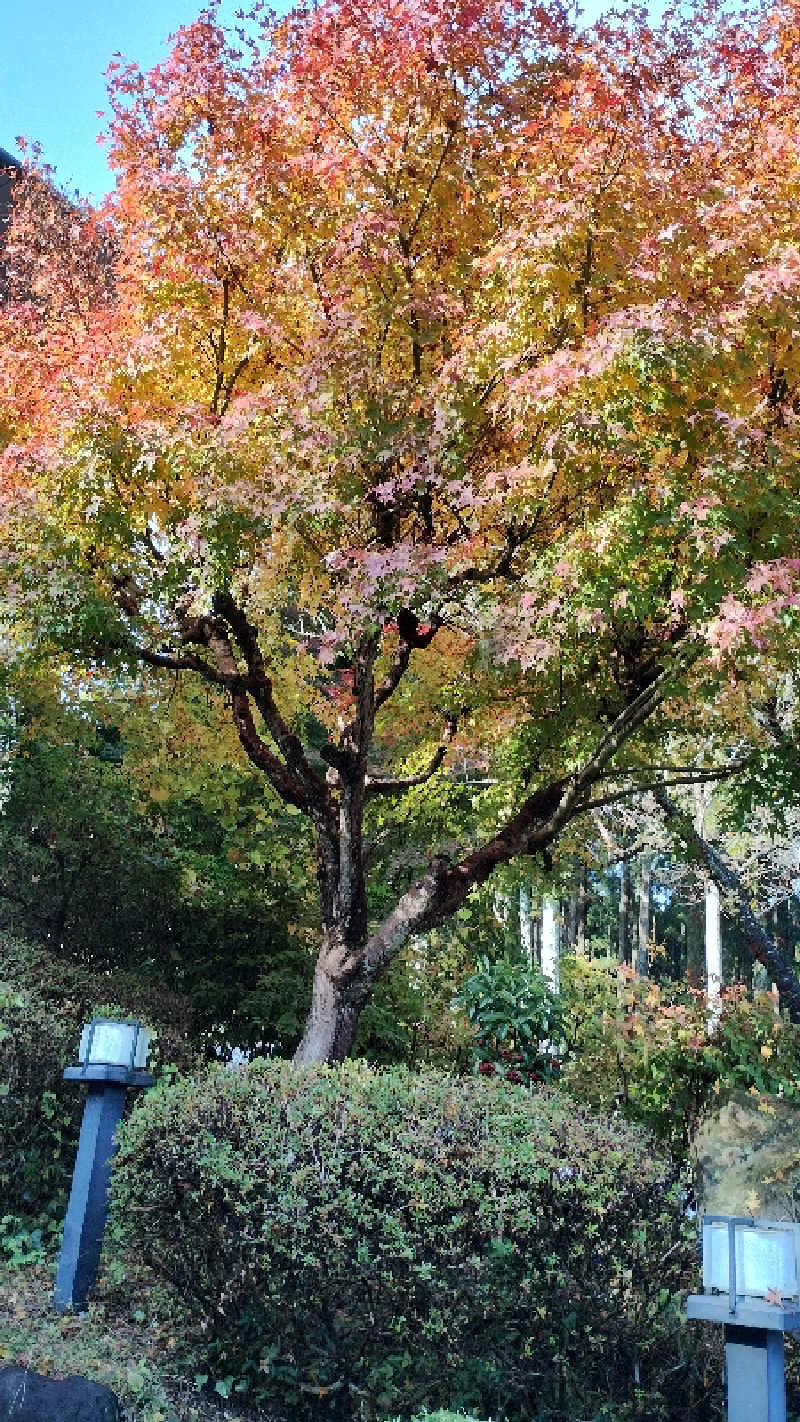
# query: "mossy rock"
[[747, 1154]]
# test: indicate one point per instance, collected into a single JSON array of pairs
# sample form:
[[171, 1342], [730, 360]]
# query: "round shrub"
[[43, 1005], [354, 1243]]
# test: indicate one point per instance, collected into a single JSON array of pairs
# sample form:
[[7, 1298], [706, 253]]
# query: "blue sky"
[[52, 84]]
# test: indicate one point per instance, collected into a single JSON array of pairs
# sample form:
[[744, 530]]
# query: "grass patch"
[[120, 1341]]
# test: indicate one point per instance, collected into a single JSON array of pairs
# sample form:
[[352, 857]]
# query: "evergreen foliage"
[[44, 1002]]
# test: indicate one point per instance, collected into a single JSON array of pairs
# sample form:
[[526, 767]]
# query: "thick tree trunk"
[[223, 647], [332, 1022], [352, 958]]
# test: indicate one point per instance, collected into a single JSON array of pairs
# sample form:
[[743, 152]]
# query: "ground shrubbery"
[[43, 1004], [354, 1243], [644, 1048], [630, 1045]]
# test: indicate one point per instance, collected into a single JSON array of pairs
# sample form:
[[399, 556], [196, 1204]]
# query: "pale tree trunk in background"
[[762, 947], [624, 913], [580, 926], [643, 936], [713, 922], [526, 923], [502, 910], [713, 953], [550, 939]]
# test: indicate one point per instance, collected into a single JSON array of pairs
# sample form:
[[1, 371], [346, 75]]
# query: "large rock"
[[748, 1157], [27, 1397]]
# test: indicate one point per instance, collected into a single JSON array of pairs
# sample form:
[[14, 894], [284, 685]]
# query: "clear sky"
[[54, 56]]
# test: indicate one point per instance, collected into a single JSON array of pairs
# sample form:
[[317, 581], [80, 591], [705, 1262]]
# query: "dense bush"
[[516, 1016], [645, 1048], [442, 1415], [43, 1004], [355, 1244]]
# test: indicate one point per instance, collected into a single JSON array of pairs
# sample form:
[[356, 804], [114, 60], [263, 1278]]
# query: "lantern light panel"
[[122, 1044], [766, 1257]]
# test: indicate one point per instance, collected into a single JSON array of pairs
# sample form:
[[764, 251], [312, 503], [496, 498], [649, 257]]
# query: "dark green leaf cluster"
[[354, 1243], [191, 888], [517, 1020], [43, 1005]]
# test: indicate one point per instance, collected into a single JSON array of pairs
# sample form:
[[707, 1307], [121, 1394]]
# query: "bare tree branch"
[[409, 640], [259, 685], [698, 777], [170, 661], [290, 788]]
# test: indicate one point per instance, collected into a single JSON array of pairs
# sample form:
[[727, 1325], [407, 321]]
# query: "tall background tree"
[[427, 385]]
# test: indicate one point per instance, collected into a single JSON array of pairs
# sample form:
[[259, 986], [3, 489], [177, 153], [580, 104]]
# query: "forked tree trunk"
[[336, 1003]]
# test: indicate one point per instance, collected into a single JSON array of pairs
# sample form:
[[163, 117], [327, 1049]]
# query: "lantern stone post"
[[112, 1057]]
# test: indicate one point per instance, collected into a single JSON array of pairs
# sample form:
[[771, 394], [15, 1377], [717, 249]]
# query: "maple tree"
[[427, 384]]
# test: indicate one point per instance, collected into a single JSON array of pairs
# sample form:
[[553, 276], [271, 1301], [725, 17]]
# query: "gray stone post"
[[88, 1202], [755, 1381]]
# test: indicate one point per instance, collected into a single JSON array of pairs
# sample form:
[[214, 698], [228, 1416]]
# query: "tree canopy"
[[428, 382]]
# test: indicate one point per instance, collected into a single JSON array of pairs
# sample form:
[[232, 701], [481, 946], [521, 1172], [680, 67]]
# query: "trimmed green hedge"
[[43, 1005], [352, 1243], [444, 1416], [441, 1416]]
